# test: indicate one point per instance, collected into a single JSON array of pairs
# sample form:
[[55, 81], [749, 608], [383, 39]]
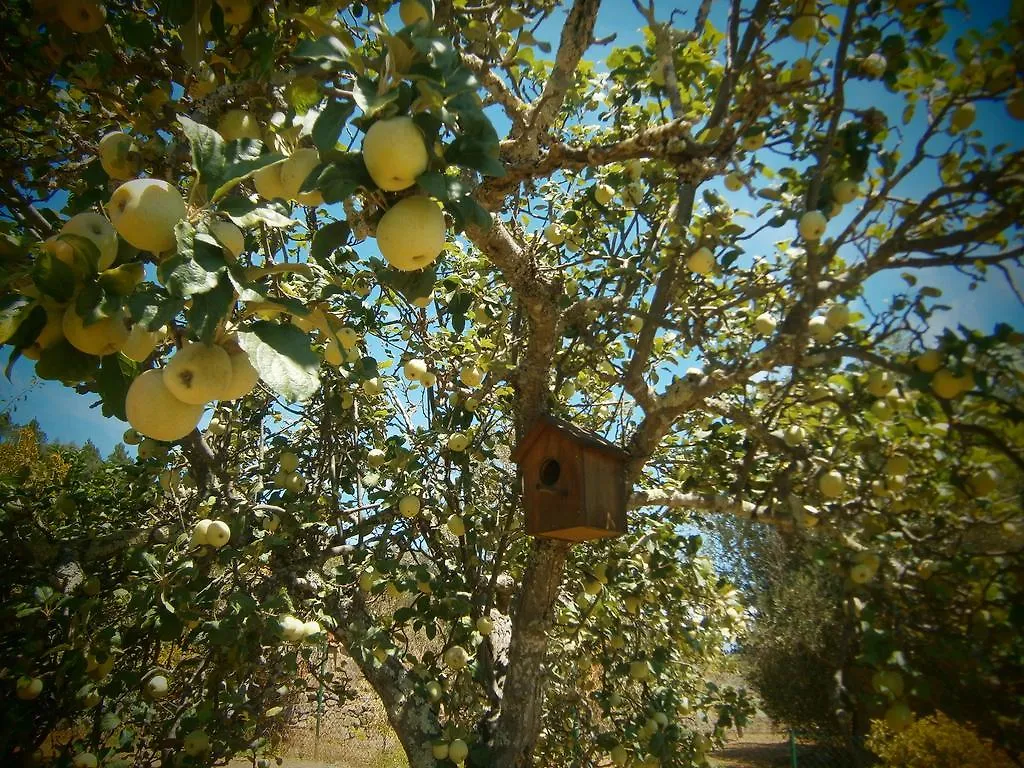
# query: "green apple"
[[753, 141], [484, 625], [701, 261], [311, 629], [84, 760], [238, 123], [145, 211], [861, 573], [734, 182], [376, 457], [638, 670], [199, 531], [812, 225], [434, 690], [618, 755], [291, 628], [118, 156], [198, 373], [395, 153], [831, 484], [51, 333], [103, 337], [153, 411], [271, 523], [267, 181], [411, 234], [984, 481], [929, 361]]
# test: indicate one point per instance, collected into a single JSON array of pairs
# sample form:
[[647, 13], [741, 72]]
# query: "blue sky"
[[67, 416]]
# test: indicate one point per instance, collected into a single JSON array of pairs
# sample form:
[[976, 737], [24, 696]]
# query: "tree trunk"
[[523, 695]]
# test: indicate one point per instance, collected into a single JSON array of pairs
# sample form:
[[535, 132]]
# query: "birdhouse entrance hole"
[[550, 471]]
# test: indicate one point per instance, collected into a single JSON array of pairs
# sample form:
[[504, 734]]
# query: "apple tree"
[[375, 245]]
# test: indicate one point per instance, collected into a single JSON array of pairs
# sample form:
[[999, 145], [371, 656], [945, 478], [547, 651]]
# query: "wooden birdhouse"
[[574, 482]]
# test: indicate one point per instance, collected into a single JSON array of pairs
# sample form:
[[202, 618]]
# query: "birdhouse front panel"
[[552, 484], [604, 494]]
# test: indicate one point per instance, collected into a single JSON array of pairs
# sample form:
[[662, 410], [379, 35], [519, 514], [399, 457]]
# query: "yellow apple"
[[376, 457], [218, 534], [880, 383], [409, 506], [801, 70], [734, 182], [439, 749], [244, 376], [458, 751], [51, 333], [837, 316], [845, 191], [458, 442], [553, 234], [28, 688], [156, 687], [794, 436], [96, 228], [753, 141], [603, 193], [238, 124], [701, 261], [874, 65], [820, 330], [198, 373], [812, 225], [267, 181], [294, 172], [765, 324], [291, 628], [118, 156], [140, 343], [103, 337], [153, 411], [82, 16], [929, 361], [803, 28], [145, 211], [485, 625], [236, 12], [415, 369], [471, 376], [395, 153], [196, 743], [456, 657], [84, 760], [831, 484], [411, 234], [456, 525]]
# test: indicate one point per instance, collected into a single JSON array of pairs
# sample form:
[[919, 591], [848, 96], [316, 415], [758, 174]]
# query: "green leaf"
[[343, 176], [476, 155], [63, 362], [53, 277], [468, 212], [434, 184], [247, 214], [242, 159], [328, 239], [282, 355], [13, 310], [115, 375], [329, 124], [177, 12], [195, 268], [207, 149], [87, 255], [324, 49], [209, 308], [366, 96], [412, 285]]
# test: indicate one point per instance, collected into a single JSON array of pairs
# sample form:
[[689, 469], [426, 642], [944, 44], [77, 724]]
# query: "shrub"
[[935, 742]]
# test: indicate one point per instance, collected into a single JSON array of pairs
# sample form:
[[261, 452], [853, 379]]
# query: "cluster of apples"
[[210, 533], [295, 630], [167, 403]]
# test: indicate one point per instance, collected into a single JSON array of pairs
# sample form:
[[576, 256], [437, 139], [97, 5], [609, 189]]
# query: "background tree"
[[591, 257]]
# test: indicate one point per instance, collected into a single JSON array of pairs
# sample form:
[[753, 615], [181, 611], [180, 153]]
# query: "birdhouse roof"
[[571, 432]]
